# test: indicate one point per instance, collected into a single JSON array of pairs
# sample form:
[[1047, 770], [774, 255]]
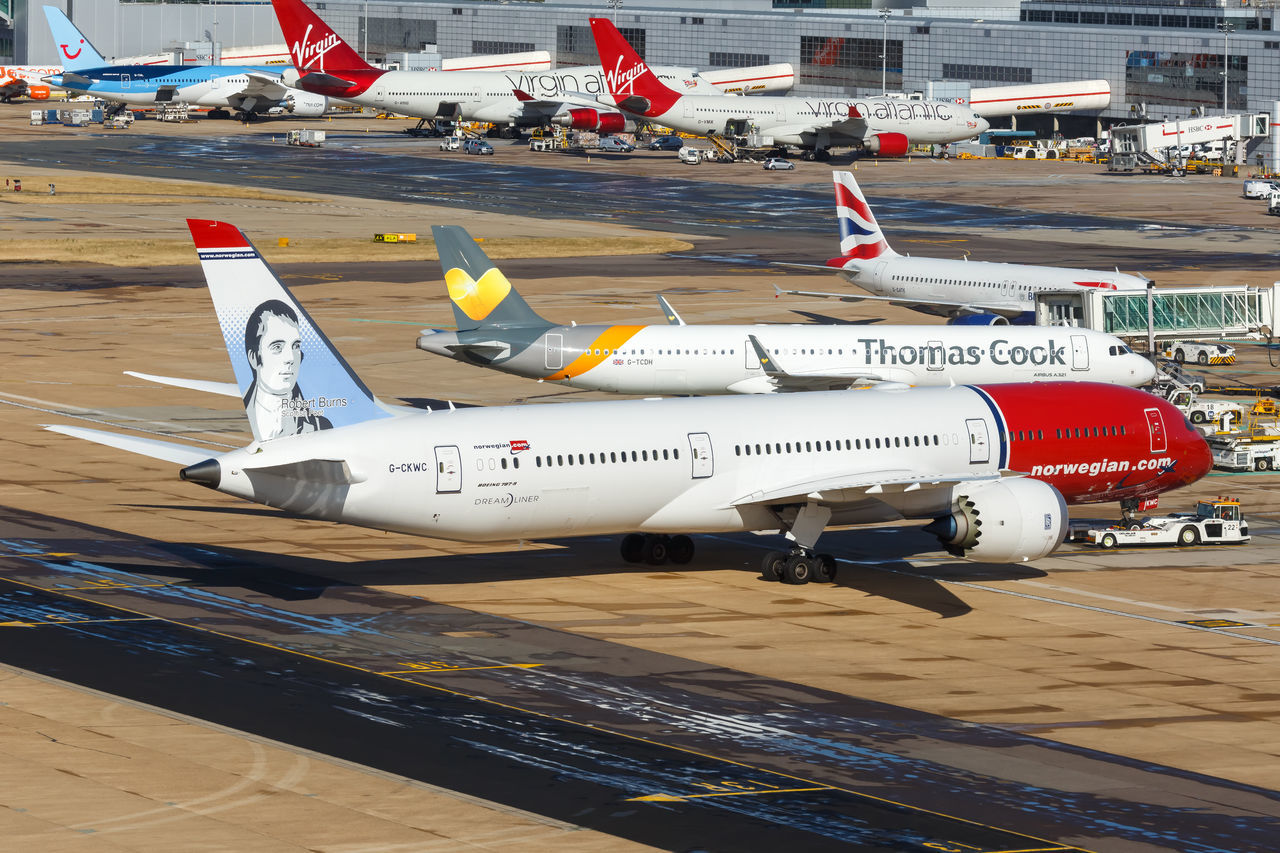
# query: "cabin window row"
[[613, 457], [494, 463], [780, 447]]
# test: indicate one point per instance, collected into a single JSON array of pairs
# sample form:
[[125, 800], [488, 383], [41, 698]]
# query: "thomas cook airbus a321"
[[993, 468], [497, 329]]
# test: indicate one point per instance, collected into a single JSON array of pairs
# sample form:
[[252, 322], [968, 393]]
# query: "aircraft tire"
[[798, 570], [655, 550], [681, 549], [824, 569], [632, 547], [771, 566]]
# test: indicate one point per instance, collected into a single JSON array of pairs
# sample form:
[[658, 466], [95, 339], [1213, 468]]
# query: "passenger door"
[[1155, 426], [700, 448], [448, 469], [1079, 352], [979, 441]]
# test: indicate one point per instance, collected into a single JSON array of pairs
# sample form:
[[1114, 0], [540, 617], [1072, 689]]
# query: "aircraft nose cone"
[[983, 124], [1144, 371], [1202, 458]]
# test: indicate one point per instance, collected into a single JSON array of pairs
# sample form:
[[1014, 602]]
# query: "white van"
[[691, 156], [1259, 188]]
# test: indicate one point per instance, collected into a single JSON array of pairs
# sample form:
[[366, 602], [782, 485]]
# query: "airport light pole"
[[614, 6], [884, 52], [1226, 28]]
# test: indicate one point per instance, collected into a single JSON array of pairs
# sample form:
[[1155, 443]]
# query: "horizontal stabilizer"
[[939, 307], [181, 454], [76, 81], [319, 79], [224, 389]]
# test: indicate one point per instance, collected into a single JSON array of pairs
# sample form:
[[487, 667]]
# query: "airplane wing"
[[265, 85], [784, 380], [848, 488], [531, 107], [939, 307]]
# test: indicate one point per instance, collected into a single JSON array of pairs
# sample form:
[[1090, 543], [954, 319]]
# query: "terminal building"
[[1162, 59]]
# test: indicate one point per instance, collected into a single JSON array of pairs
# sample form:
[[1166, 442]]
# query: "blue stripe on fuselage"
[[111, 77], [1001, 427]]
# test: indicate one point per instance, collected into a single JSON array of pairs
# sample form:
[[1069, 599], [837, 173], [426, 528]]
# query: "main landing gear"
[[798, 567], [657, 549]]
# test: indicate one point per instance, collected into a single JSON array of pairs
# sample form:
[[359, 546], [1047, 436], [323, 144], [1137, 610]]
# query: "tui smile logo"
[[68, 54]]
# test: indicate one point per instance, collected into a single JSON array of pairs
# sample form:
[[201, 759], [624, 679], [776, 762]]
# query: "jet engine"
[[1008, 521], [978, 320], [302, 103], [588, 119], [887, 144]]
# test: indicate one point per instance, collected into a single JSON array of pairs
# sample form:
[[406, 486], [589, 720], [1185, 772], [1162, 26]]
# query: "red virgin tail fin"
[[313, 45], [631, 82]]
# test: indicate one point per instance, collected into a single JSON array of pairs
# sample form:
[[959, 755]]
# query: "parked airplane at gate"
[[324, 447], [247, 89], [329, 66], [969, 292], [884, 126], [498, 329]]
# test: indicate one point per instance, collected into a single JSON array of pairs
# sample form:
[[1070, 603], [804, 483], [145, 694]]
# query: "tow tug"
[[1216, 521]]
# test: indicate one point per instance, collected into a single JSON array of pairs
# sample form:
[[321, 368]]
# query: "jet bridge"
[[1177, 312], [1161, 142]]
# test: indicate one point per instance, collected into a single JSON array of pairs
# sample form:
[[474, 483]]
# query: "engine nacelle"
[[978, 320], [1009, 521], [302, 103], [589, 119], [887, 144]]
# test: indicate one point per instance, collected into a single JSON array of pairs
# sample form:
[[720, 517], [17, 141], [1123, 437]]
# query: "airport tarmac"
[[1102, 701]]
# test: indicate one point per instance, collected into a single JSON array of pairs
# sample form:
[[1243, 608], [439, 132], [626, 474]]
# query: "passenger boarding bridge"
[[1177, 312]]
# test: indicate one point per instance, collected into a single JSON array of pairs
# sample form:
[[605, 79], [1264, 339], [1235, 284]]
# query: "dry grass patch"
[[103, 189], [162, 252]]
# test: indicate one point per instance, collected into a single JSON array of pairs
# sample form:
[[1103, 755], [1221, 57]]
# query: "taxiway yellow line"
[[668, 798], [431, 669], [22, 623]]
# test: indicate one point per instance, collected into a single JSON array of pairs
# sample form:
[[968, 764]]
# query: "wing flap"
[[843, 488]]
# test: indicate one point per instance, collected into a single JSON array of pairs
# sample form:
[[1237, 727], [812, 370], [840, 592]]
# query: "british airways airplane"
[[968, 292], [993, 468], [497, 329], [246, 89]]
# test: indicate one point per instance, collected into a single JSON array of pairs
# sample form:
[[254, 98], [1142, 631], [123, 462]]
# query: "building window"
[[985, 73], [729, 59], [845, 62]]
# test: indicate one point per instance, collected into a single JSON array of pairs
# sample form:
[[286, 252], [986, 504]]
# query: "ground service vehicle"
[[1201, 411], [1246, 456], [451, 143], [1215, 522], [616, 143], [778, 164], [476, 146], [1200, 352]]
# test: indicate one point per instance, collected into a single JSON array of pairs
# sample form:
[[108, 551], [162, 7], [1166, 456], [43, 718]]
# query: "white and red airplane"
[[993, 468], [26, 81], [497, 329], [883, 126], [969, 292], [327, 65]]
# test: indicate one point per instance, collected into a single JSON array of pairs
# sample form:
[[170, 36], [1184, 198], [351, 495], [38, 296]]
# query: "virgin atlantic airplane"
[[992, 468]]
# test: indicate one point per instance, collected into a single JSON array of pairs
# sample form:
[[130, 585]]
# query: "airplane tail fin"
[[74, 50], [630, 81], [860, 235], [291, 377], [480, 293], [313, 45]]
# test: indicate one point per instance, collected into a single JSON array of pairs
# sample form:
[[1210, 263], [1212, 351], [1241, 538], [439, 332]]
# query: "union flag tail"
[[313, 45], [631, 82], [860, 234]]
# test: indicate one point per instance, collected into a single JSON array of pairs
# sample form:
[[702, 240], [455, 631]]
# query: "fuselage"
[[201, 85], [823, 122], [715, 359], [693, 465], [487, 96], [983, 282]]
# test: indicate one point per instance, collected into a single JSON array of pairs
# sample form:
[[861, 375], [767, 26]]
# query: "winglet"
[[673, 318], [770, 367]]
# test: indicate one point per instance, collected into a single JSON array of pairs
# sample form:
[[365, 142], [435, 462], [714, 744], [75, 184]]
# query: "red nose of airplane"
[[1195, 459]]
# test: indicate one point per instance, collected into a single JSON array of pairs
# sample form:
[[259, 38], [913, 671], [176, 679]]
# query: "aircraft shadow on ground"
[[882, 570]]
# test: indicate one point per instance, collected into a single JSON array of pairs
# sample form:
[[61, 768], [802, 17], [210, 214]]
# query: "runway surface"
[[645, 746]]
